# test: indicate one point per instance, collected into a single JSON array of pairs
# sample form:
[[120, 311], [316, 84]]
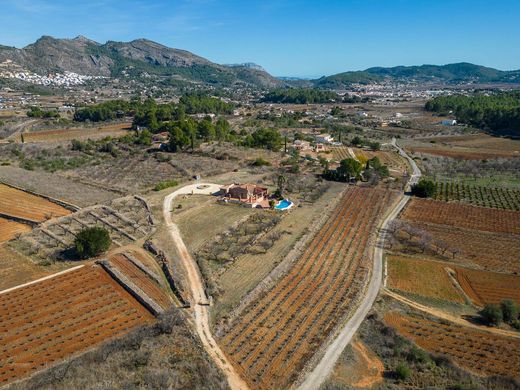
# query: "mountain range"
[[142, 58]]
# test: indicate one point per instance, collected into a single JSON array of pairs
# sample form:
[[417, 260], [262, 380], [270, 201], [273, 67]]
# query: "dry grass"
[[114, 130], [421, 277]]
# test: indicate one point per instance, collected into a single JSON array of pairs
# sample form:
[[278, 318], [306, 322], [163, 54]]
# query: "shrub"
[[91, 241], [424, 189], [509, 310], [492, 314], [402, 372], [165, 184], [260, 162]]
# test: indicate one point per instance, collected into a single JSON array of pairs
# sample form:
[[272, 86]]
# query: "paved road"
[[320, 373], [200, 307]]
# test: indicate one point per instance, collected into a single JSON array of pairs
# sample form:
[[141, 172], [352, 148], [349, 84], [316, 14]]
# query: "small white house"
[[449, 122], [324, 139]]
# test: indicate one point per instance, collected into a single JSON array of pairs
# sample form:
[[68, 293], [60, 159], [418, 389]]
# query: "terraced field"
[[478, 351], [9, 229], [494, 197], [463, 216], [48, 321], [150, 287], [488, 287], [277, 334], [20, 204]]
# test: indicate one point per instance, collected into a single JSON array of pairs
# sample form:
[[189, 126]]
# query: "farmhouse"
[[324, 138], [249, 195]]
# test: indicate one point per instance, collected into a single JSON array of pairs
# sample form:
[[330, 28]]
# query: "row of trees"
[[301, 96], [37, 112], [498, 113], [507, 311]]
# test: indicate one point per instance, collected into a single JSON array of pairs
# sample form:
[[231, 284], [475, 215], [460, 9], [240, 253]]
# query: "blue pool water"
[[284, 205]]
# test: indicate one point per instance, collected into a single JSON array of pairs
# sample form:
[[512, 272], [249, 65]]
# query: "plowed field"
[[20, 204], [480, 352], [48, 321], [488, 287], [277, 334], [113, 130], [464, 216]]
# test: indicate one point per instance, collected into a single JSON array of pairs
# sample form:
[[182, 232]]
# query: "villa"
[[249, 195]]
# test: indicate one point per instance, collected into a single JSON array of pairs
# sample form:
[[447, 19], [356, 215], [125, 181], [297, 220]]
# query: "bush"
[[424, 189], [402, 372], [492, 314], [509, 310], [92, 242], [165, 184], [260, 162]]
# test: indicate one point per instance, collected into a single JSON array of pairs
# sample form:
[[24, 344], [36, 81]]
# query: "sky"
[[287, 37]]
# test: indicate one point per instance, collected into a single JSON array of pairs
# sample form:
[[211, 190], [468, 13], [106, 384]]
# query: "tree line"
[[497, 113]]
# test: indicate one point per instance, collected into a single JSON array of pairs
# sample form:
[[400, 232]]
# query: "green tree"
[[205, 129], [402, 372], [267, 138], [144, 138], [492, 314], [424, 189], [178, 140], [91, 241], [222, 129], [509, 310], [349, 168]]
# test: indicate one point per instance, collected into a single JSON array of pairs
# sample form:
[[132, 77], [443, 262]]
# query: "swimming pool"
[[284, 205]]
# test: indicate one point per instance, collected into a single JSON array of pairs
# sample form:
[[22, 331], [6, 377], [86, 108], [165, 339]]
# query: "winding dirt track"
[[200, 306]]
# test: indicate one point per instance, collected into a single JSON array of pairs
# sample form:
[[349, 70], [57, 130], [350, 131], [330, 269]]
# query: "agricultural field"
[[113, 130], [23, 205], [9, 229], [56, 186], [463, 216], [48, 321], [484, 287], [421, 277], [493, 197], [486, 250], [469, 147], [480, 352], [127, 219], [277, 334], [250, 268], [16, 269]]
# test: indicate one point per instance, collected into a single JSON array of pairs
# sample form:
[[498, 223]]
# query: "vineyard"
[[480, 352], [463, 216], [19, 204], [9, 229], [277, 334], [127, 220], [48, 321], [422, 277], [488, 287], [499, 198]]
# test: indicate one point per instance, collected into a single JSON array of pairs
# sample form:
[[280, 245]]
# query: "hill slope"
[[137, 58], [452, 73]]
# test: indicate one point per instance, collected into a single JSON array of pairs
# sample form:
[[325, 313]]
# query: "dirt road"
[[200, 306], [320, 373]]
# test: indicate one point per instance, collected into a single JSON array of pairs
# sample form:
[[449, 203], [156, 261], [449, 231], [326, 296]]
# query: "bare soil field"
[[16, 269], [20, 204], [478, 141], [362, 369], [422, 277], [480, 352], [56, 186], [488, 287], [46, 322], [463, 216], [277, 334], [9, 229], [113, 130]]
